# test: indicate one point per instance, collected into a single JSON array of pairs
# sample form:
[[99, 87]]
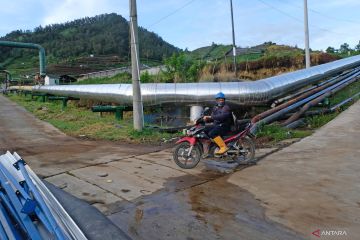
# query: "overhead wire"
[[171, 13], [320, 13], [300, 20]]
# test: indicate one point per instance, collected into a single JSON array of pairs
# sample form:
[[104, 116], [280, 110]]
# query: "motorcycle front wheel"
[[184, 158]]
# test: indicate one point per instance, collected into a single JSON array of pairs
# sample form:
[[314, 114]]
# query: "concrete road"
[[314, 183], [289, 194]]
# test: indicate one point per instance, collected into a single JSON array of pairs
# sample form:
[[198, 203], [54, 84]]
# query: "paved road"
[[289, 194]]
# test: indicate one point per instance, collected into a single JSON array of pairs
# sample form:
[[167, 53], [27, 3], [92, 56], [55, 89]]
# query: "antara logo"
[[318, 233]]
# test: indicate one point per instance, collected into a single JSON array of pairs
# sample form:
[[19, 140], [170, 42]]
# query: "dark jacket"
[[222, 116]]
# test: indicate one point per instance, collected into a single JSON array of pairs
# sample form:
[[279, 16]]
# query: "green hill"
[[211, 52], [219, 51], [99, 36]]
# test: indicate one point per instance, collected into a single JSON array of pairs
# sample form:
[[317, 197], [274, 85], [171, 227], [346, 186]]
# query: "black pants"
[[217, 130]]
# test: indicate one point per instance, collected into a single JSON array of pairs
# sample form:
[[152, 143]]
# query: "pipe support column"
[[195, 112]]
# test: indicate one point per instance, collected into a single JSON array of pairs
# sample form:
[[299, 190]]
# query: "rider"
[[222, 118]]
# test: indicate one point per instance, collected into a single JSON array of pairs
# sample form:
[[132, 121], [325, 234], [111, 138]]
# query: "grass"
[[277, 133], [122, 78], [212, 52], [118, 78], [81, 122], [320, 120], [248, 57], [282, 50]]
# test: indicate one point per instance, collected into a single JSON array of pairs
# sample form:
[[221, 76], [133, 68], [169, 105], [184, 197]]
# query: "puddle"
[[212, 210]]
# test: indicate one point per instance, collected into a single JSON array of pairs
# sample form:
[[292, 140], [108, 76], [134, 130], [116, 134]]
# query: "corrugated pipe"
[[295, 105], [42, 58], [241, 93], [316, 101]]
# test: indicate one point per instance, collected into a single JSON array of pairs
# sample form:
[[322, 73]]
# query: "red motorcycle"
[[190, 149]]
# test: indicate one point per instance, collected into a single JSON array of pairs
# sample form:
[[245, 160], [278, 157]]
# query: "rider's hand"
[[207, 118]]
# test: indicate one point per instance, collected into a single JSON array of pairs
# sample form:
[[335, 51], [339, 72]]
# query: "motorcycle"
[[190, 149]]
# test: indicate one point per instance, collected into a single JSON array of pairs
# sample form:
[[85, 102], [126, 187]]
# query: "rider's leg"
[[206, 143], [206, 148], [215, 134], [220, 142]]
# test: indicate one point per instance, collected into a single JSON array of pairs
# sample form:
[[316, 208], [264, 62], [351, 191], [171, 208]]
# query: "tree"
[[180, 67], [102, 34], [330, 50], [344, 48], [357, 47]]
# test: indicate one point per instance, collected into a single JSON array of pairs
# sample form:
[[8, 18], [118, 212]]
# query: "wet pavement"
[[211, 210], [289, 194]]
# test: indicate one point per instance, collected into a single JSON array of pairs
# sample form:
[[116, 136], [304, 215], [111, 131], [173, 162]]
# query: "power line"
[[172, 13], [279, 10], [300, 20], [321, 14]]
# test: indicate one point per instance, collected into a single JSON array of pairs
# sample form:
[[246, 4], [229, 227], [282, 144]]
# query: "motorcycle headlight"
[[200, 135]]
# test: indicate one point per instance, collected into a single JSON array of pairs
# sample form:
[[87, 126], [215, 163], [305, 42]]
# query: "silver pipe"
[[241, 93]]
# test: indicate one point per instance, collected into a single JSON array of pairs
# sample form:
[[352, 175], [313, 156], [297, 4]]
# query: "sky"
[[197, 23]]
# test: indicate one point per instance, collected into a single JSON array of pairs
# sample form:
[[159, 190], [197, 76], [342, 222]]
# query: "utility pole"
[[138, 114], [306, 26], [233, 36]]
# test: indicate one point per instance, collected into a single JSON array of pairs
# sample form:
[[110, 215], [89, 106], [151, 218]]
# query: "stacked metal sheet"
[[28, 210]]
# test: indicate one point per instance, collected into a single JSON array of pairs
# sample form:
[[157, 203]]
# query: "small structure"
[[66, 79], [51, 81]]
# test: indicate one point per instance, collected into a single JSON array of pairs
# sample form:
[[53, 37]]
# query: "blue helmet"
[[220, 95]]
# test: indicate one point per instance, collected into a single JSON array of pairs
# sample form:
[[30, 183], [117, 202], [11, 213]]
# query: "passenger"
[[222, 118]]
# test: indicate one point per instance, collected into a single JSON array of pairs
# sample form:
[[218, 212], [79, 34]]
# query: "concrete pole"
[[233, 37], [138, 113], [306, 27]]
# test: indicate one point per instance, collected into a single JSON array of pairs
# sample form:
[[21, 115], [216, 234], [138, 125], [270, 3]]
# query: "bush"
[[181, 68], [145, 77]]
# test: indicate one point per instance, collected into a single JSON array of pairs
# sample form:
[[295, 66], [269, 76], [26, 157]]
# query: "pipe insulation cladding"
[[240, 93]]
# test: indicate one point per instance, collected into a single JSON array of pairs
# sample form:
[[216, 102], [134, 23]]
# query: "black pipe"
[[323, 110], [352, 98], [296, 124], [281, 112], [302, 96], [317, 100], [294, 95]]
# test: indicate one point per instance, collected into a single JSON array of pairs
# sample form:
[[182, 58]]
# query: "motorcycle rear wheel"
[[183, 159], [246, 152]]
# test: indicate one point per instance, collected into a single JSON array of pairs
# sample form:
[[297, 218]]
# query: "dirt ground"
[[290, 193]]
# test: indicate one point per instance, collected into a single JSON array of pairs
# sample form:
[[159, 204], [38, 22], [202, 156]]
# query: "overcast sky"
[[196, 23]]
